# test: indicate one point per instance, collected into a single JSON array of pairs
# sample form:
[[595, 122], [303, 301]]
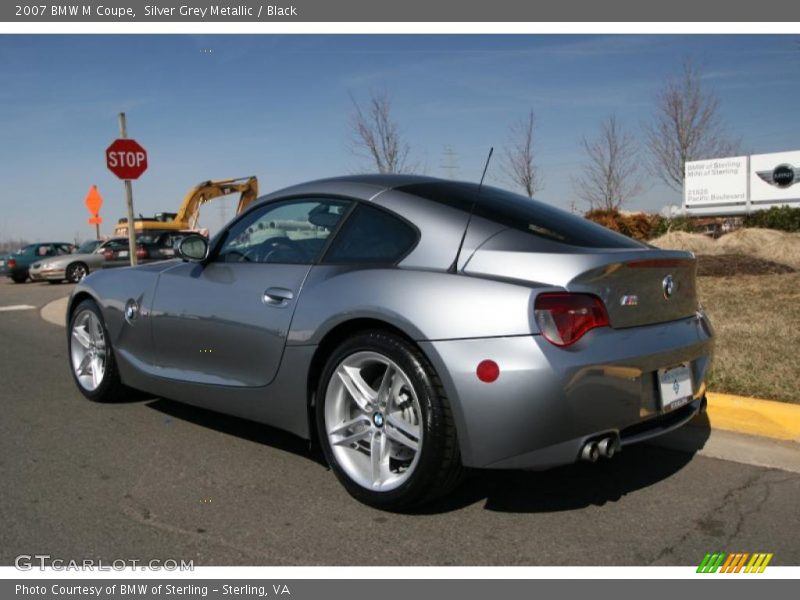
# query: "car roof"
[[363, 186]]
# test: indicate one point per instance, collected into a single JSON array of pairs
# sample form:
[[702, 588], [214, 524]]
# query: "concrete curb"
[[765, 418], [55, 312]]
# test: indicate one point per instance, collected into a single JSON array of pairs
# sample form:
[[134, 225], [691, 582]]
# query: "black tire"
[[111, 389], [76, 272], [19, 278], [439, 469]]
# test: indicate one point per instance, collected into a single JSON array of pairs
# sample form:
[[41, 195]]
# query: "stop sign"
[[126, 158]]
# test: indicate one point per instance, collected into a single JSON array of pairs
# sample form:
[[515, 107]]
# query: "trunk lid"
[[638, 286]]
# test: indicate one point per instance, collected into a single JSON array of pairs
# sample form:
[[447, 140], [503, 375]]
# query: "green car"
[[18, 263]]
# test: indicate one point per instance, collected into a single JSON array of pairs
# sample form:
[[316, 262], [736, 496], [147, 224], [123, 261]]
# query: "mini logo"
[[735, 562], [782, 176], [668, 285], [629, 300]]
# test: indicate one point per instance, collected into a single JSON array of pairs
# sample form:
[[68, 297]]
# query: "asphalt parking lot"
[[153, 479]]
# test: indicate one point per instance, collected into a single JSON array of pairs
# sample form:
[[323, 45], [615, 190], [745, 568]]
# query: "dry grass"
[[777, 246], [768, 244], [757, 324], [680, 240]]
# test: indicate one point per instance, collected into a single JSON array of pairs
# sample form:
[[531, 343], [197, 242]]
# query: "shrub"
[[662, 225], [639, 226], [784, 218]]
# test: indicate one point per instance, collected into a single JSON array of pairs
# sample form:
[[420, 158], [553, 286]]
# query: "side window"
[[290, 232], [372, 236], [63, 249], [45, 250]]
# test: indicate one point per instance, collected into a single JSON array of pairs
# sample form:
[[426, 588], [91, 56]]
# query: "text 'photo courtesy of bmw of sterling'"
[[411, 326]]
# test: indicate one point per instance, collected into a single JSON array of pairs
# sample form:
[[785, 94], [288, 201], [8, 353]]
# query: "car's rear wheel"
[[92, 362], [385, 423], [19, 278], [76, 272]]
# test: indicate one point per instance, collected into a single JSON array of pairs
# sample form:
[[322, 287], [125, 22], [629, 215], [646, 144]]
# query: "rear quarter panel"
[[426, 305]]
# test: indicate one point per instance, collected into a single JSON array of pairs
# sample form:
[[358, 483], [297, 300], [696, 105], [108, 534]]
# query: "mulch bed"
[[721, 265]]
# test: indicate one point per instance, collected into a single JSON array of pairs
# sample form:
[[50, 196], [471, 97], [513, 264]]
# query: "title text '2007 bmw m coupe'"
[[414, 326]]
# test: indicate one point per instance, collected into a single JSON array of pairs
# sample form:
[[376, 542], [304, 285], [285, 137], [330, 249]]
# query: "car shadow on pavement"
[[565, 488], [242, 428], [574, 486]]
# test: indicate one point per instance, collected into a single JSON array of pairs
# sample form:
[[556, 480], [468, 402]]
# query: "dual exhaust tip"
[[605, 447]]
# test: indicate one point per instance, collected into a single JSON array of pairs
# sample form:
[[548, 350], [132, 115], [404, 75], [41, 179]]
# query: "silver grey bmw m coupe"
[[411, 326]]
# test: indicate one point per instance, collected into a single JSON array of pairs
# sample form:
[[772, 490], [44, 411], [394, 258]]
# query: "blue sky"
[[278, 107]]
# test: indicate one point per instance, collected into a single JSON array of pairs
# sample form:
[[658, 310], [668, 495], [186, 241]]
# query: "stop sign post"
[[127, 160]]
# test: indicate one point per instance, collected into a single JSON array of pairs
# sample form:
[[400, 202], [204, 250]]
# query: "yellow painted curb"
[[767, 418]]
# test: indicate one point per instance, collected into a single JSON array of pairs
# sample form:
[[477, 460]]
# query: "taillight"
[[108, 254], [564, 318], [141, 252], [11, 263]]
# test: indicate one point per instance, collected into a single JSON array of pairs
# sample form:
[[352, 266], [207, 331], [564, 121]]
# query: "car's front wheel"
[[77, 272], [385, 423], [92, 362]]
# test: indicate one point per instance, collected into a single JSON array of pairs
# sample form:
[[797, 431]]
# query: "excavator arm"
[[189, 211]]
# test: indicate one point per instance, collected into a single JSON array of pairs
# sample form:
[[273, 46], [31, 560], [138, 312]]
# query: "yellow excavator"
[[188, 213]]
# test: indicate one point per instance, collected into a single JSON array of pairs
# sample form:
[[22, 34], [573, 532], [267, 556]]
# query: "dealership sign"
[[741, 184]]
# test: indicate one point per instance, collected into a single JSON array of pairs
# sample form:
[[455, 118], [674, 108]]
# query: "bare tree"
[[686, 127], [377, 136], [518, 162], [611, 175]]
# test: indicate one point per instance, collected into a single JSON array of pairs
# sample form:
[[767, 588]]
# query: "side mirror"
[[193, 248]]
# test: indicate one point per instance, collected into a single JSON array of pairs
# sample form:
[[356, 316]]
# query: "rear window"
[[519, 212], [371, 235], [88, 247]]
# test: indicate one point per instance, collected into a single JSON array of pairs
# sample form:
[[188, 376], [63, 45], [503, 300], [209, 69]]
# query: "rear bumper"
[[549, 401]]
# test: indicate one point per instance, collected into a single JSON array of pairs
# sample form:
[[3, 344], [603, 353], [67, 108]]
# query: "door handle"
[[276, 296]]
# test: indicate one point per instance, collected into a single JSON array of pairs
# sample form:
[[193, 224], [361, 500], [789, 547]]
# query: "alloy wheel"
[[77, 273], [373, 421], [88, 350]]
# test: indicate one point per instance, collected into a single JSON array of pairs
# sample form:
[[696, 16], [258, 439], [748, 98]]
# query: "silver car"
[[73, 267], [412, 327]]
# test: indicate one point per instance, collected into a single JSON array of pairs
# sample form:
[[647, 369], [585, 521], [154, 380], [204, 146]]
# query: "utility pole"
[[449, 162], [123, 133]]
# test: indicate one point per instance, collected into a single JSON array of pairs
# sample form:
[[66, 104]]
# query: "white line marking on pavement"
[[16, 307]]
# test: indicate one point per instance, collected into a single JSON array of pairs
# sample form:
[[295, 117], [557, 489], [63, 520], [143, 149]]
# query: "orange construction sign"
[[93, 202]]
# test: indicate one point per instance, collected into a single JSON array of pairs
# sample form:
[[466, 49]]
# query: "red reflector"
[[108, 254], [488, 371], [12, 263], [564, 318], [141, 252]]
